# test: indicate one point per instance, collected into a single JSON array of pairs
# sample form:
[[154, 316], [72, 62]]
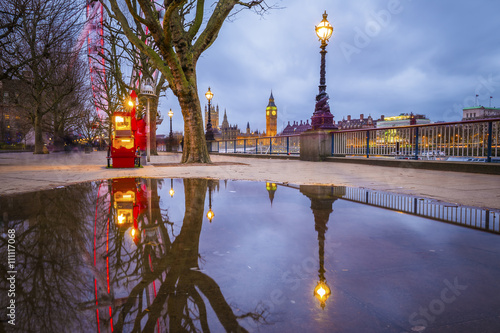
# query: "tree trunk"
[[38, 134], [58, 136], [195, 147]]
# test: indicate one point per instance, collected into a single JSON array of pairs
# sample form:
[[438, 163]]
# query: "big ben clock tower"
[[271, 117]]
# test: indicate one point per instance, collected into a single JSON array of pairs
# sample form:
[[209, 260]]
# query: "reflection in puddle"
[[128, 255]]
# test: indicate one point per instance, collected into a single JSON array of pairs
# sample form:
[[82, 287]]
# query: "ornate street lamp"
[[171, 135], [322, 118], [209, 136]]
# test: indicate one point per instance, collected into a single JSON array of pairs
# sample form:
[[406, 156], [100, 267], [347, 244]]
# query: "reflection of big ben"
[[271, 117]]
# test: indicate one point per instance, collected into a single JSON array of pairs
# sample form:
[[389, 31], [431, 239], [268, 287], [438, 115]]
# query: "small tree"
[[179, 33]]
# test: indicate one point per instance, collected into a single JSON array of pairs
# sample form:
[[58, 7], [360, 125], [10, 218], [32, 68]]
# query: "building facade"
[[480, 112], [362, 122], [14, 126], [296, 128], [214, 116], [404, 119]]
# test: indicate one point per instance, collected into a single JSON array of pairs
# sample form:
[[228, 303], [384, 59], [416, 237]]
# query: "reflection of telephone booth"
[[123, 147], [125, 198]]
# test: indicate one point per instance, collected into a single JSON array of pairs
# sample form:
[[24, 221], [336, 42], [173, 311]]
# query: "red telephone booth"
[[123, 145]]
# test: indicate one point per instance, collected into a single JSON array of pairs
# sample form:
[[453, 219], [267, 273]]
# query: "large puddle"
[[198, 255]]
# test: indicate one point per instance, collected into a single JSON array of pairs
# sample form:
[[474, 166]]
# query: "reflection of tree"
[[179, 304], [52, 238], [69, 249]]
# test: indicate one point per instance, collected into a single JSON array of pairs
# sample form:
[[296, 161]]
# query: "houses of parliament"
[[226, 131]]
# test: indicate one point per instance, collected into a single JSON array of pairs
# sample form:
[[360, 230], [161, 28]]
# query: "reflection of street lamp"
[[171, 135], [171, 192], [148, 90], [322, 199], [210, 213], [322, 118], [209, 136], [322, 292]]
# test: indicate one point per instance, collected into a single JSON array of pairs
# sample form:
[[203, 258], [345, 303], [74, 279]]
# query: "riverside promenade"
[[25, 172]]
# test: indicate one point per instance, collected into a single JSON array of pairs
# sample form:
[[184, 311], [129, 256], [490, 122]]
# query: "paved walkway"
[[24, 172]]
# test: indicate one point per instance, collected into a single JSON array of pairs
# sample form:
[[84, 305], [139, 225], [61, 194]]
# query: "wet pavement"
[[25, 172], [170, 255]]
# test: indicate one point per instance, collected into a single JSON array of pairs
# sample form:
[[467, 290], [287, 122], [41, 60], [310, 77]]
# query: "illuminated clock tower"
[[271, 117]]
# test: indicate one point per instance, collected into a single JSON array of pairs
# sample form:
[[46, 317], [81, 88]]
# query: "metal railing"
[[472, 217], [475, 140], [467, 141], [288, 145]]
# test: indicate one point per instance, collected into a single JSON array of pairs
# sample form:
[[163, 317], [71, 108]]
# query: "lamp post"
[[209, 136], [171, 135], [148, 90], [322, 118]]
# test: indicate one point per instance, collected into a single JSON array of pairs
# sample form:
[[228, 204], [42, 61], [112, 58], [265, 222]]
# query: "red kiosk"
[[123, 145]]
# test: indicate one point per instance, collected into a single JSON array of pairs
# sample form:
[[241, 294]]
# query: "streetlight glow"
[[210, 215], [322, 292], [324, 29], [209, 94], [170, 113]]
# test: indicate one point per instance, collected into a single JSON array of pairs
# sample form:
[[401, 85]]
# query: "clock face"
[[274, 113], [267, 113]]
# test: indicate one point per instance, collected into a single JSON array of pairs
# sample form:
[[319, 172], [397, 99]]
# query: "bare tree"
[[88, 124], [44, 44], [12, 13], [67, 111], [180, 31]]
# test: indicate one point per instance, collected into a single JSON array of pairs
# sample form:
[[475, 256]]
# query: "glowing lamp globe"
[[209, 94], [324, 29], [170, 113]]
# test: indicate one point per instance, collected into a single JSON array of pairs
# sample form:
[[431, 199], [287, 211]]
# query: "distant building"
[[480, 112], [228, 131], [404, 119], [14, 126], [214, 117], [362, 122], [296, 128]]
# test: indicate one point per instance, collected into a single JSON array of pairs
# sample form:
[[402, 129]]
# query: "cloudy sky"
[[386, 57]]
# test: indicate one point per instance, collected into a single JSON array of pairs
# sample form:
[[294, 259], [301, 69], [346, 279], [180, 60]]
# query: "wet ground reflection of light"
[[254, 267]]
